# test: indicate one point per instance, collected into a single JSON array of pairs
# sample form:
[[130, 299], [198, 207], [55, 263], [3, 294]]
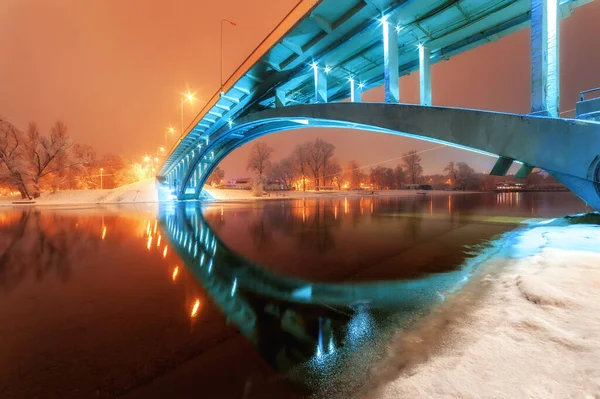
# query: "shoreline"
[[148, 192], [527, 326]]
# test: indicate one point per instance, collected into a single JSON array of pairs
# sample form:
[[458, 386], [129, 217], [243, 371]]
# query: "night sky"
[[113, 71]]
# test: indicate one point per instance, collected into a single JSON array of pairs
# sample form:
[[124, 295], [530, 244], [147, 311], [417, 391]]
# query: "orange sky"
[[113, 71]]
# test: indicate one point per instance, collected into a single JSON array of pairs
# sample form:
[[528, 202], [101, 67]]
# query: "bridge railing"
[[583, 93]]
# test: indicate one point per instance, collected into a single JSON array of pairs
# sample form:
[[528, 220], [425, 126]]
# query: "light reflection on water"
[[122, 296]]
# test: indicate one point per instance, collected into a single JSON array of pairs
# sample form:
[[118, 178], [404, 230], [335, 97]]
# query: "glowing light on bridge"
[[189, 96], [103, 232], [233, 288], [158, 240], [149, 242], [165, 251], [175, 273], [195, 308], [327, 69]]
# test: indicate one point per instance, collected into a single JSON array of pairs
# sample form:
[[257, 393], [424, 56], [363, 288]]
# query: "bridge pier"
[[545, 80], [424, 75], [390, 63], [355, 91], [320, 84]]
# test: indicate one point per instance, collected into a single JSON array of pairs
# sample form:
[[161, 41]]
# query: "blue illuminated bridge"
[[311, 70]]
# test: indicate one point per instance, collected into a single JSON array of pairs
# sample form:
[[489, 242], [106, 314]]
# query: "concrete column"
[[280, 100], [545, 82], [390, 63], [320, 84], [352, 90], [424, 75]]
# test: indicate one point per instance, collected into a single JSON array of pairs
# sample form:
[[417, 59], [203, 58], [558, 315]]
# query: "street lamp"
[[185, 97], [232, 24], [168, 130]]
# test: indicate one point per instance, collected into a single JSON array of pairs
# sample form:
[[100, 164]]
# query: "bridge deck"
[[346, 37]]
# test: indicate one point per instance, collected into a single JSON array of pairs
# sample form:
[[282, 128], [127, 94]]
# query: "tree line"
[[313, 165], [32, 162]]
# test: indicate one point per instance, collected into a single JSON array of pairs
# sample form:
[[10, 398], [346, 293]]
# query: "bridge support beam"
[[390, 63], [545, 82], [320, 84], [501, 166], [424, 75], [355, 91], [280, 100]]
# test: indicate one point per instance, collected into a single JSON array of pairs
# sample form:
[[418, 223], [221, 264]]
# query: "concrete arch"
[[567, 148]]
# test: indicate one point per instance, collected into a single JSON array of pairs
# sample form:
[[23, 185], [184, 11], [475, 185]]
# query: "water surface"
[[264, 299]]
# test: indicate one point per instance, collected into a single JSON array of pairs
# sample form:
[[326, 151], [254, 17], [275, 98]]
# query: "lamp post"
[[185, 97], [232, 24], [169, 130]]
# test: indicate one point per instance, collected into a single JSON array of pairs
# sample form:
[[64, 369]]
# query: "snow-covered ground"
[[233, 194], [149, 191], [529, 327], [140, 192]]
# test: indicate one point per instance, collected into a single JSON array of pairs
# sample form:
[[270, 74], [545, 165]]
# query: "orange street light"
[[189, 97], [168, 130]]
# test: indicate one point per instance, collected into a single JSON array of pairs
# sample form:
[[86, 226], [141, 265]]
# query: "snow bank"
[[529, 328], [139, 192]]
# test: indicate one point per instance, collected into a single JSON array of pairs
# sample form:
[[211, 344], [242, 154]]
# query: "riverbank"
[[246, 195], [145, 191], [528, 328]]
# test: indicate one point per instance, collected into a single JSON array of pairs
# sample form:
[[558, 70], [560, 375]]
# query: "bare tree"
[[354, 175], [259, 159], [399, 176], [412, 165], [450, 169], [47, 154], [300, 161], [216, 177], [465, 176], [319, 154], [382, 177], [11, 156], [332, 173], [284, 171]]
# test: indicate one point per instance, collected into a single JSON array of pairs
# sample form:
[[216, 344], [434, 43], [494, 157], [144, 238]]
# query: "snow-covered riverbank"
[[238, 195], [528, 328], [148, 191], [141, 192]]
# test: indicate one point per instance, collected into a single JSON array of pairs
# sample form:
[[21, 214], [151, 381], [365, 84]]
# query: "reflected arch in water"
[[318, 319]]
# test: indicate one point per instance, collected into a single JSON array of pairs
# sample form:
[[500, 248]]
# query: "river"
[[275, 298]]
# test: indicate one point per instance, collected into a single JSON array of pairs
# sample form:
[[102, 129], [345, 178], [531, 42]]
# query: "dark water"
[[269, 299]]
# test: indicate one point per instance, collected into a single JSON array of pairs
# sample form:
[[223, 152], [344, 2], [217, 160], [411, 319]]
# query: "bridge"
[[311, 70]]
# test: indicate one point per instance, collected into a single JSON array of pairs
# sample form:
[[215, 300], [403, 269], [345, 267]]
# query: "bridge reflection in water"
[[295, 322]]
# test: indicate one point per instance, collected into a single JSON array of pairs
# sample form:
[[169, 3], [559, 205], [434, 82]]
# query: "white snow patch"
[[139, 192], [528, 329]]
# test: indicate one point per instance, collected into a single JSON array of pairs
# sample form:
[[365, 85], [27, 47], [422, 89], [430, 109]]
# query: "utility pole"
[[232, 24]]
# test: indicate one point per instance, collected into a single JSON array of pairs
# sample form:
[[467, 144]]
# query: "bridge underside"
[[568, 149]]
